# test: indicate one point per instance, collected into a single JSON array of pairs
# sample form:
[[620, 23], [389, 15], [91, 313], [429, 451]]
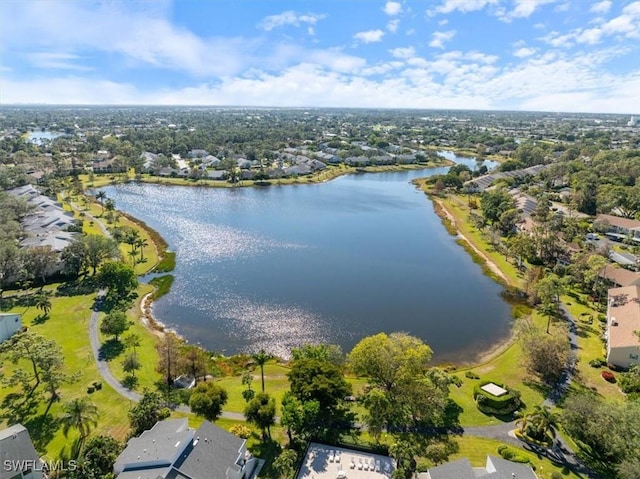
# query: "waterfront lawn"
[[275, 384], [147, 376], [456, 206], [68, 325], [151, 255], [504, 368], [476, 449]]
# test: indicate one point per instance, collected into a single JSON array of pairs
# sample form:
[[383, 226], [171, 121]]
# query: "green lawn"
[[68, 324], [147, 353], [476, 450], [590, 346]]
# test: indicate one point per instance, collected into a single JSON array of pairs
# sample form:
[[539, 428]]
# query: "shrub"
[[512, 455], [97, 385], [90, 389], [240, 430], [471, 375], [595, 363], [490, 404], [608, 376], [556, 475]]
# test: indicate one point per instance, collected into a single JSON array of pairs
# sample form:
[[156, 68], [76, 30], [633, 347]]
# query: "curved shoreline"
[[158, 328]]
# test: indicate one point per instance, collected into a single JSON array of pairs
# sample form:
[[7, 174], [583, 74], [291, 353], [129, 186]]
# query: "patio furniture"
[[378, 465], [331, 455], [360, 465], [337, 456], [352, 465]]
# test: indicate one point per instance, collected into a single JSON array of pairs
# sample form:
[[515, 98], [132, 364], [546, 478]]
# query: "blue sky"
[[554, 55]]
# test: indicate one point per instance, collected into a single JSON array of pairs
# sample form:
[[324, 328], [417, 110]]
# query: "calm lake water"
[[280, 266], [39, 136]]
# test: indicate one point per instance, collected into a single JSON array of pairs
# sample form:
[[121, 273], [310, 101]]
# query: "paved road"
[[560, 452], [109, 378]]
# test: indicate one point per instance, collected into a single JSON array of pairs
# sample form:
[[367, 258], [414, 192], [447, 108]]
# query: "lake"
[[280, 266], [38, 137]]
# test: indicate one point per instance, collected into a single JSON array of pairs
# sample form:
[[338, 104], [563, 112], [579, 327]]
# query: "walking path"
[[560, 452]]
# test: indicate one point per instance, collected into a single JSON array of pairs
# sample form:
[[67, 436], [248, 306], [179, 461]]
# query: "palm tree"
[[110, 205], [141, 243], [43, 303], [522, 420], [544, 421], [101, 196], [80, 414], [261, 359]]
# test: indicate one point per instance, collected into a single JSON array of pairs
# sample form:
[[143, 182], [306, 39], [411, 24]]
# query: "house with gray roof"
[[495, 468], [18, 457], [9, 325], [172, 450]]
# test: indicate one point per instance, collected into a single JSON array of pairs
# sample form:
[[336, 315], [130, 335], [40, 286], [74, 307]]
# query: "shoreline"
[[449, 221], [159, 329], [332, 174]]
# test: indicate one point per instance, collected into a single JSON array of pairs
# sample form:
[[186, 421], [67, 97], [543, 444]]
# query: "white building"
[[623, 320], [9, 325]]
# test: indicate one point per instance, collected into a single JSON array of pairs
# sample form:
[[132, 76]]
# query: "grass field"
[[68, 324], [476, 450]]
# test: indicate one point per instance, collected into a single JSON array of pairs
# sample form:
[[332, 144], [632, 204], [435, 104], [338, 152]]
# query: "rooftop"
[[624, 306], [328, 462]]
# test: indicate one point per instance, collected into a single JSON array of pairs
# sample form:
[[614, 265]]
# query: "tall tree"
[[43, 303], [169, 353], [548, 290], [43, 354], [119, 278], [261, 411], [97, 458], [149, 410], [99, 249], [80, 414], [114, 324], [261, 358], [101, 196], [207, 400], [38, 261]]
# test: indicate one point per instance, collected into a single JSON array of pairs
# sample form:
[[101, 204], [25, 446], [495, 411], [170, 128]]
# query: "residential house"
[[357, 161], [9, 325], [107, 165], [495, 468], [172, 450], [618, 228], [620, 276], [18, 457], [623, 321], [197, 153]]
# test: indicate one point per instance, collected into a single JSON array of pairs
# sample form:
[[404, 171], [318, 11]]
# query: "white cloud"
[[56, 60], [524, 52], [443, 22], [393, 25], [464, 6], [289, 17], [407, 52], [552, 81], [601, 7], [370, 36], [438, 39], [392, 8], [626, 25], [524, 9]]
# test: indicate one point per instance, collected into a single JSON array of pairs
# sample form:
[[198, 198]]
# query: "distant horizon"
[[307, 107], [485, 55]]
